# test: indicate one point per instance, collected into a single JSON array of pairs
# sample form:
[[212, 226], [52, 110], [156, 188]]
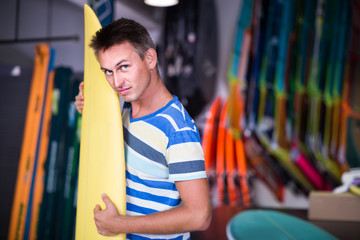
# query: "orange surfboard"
[[40, 171], [29, 144], [231, 173], [210, 136], [220, 156]]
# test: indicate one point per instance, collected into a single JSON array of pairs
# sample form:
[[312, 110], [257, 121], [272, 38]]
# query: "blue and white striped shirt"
[[160, 148]]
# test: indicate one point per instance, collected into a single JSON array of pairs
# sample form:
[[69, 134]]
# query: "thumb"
[[106, 200]]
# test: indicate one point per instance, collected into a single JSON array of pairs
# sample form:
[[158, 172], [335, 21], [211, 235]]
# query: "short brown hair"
[[120, 31]]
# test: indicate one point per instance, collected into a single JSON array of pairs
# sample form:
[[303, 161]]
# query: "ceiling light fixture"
[[16, 71], [161, 3]]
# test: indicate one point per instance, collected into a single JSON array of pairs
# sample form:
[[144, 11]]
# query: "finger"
[[79, 97], [81, 88], [97, 208], [79, 107], [78, 100]]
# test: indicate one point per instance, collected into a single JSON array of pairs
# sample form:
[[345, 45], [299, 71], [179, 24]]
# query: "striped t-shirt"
[[160, 148]]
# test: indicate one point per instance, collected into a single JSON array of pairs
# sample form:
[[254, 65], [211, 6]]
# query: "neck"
[[156, 97]]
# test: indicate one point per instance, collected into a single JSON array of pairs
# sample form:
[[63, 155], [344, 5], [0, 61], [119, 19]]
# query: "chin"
[[127, 98]]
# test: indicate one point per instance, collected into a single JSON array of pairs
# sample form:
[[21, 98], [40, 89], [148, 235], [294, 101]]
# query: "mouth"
[[123, 91]]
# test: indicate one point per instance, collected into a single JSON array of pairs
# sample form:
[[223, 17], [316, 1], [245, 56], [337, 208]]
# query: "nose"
[[118, 81]]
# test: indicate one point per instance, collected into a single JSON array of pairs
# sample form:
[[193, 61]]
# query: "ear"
[[151, 58]]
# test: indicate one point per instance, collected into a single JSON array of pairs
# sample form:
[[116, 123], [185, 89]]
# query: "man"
[[166, 184]]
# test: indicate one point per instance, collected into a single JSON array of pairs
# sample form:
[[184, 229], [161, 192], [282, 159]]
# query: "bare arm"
[[192, 215]]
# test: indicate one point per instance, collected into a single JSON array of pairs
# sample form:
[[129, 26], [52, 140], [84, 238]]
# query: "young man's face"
[[127, 74]]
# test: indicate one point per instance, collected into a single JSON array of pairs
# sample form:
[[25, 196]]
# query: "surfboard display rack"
[[43, 39], [292, 102]]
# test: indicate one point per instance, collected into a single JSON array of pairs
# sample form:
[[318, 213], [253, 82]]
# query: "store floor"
[[217, 229]]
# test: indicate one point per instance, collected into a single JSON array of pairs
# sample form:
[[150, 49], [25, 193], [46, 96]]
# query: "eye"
[[124, 67], [108, 72]]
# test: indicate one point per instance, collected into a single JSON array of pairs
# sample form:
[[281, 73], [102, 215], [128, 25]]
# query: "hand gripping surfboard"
[[102, 165]]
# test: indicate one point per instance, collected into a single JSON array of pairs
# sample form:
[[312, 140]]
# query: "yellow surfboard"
[[102, 164]]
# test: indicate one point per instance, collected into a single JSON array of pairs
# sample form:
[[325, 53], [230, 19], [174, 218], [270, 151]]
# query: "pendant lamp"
[[161, 3]]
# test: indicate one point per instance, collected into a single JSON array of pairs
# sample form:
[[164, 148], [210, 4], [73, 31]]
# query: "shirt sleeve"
[[185, 156]]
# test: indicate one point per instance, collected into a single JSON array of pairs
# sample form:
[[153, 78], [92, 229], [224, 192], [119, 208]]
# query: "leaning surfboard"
[[102, 165], [31, 143]]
